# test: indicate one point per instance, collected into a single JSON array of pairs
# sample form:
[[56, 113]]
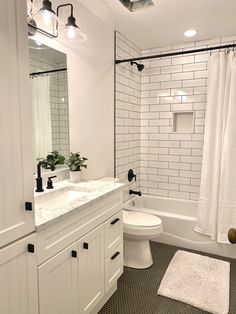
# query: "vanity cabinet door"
[[58, 283], [91, 269], [18, 278], [16, 157]]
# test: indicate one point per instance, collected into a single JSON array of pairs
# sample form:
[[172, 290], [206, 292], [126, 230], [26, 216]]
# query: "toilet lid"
[[140, 219]]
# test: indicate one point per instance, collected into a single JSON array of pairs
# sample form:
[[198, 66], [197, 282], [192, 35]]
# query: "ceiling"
[[164, 23]]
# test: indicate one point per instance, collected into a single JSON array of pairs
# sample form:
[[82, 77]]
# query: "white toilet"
[[139, 228]]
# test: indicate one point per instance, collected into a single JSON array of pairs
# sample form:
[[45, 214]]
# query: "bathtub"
[[179, 218]]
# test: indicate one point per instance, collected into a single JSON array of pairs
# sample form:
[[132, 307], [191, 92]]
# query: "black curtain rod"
[[177, 53], [50, 71]]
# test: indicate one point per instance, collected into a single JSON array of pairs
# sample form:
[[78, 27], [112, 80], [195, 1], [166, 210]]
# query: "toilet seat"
[[141, 224], [135, 219]]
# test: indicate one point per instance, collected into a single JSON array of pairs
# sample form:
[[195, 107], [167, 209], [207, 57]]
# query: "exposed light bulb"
[[47, 17], [71, 33]]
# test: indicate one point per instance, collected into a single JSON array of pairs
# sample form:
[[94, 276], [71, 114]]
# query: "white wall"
[[91, 91]]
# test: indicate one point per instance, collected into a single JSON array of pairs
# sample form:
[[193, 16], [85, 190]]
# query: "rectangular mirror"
[[49, 98]]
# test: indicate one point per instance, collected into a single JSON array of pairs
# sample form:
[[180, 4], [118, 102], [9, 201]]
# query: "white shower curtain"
[[40, 98], [217, 202]]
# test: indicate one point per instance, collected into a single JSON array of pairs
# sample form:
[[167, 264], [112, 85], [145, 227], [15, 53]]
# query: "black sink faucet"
[[39, 180], [135, 192]]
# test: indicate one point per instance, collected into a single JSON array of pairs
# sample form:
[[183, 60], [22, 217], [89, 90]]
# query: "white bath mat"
[[199, 281]]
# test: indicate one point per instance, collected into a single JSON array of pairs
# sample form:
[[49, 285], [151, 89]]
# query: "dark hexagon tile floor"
[[137, 289]]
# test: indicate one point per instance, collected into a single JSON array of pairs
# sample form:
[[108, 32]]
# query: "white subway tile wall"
[[128, 93], [169, 163]]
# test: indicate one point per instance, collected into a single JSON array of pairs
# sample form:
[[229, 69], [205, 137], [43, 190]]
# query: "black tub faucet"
[[131, 175], [135, 192], [39, 180]]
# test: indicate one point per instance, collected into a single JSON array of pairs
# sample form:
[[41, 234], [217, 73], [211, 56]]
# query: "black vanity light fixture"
[[70, 30], [47, 22]]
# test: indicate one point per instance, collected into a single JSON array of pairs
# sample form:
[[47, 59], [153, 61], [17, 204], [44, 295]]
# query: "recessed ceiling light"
[[190, 33]]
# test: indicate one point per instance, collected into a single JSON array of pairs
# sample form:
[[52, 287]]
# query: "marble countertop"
[[92, 191]]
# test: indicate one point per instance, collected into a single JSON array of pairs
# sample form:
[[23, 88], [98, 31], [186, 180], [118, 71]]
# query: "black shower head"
[[139, 65]]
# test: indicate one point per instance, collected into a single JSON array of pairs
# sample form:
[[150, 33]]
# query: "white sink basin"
[[60, 198]]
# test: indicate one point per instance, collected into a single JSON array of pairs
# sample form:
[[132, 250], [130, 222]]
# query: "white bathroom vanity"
[[72, 262]]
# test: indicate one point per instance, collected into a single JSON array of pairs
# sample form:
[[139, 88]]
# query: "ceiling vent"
[[135, 5]]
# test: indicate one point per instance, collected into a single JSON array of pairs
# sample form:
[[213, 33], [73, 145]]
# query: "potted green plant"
[[53, 158], [75, 162]]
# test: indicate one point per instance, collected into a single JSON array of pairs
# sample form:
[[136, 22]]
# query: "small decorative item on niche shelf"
[[53, 158], [75, 162]]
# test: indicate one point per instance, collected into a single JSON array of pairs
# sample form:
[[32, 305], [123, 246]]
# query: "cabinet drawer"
[[113, 267], [113, 232]]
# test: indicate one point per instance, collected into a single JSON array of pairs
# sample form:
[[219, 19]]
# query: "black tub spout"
[[135, 192]]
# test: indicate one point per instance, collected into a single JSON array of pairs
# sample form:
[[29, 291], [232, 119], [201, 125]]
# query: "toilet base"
[[137, 254]]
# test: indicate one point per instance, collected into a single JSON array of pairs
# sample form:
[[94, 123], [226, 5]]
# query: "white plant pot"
[[75, 176]]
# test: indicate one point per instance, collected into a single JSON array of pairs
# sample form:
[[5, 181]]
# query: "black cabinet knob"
[[115, 221], [85, 245], [30, 248], [28, 206], [74, 253]]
